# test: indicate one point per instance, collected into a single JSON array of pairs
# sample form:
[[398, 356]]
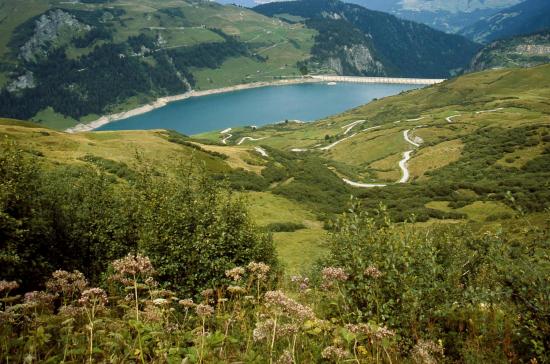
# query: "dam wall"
[[391, 80]]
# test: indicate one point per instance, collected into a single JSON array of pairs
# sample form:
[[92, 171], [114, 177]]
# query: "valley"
[[392, 148], [309, 181]]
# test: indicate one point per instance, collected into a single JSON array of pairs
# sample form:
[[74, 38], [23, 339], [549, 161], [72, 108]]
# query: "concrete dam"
[[391, 80]]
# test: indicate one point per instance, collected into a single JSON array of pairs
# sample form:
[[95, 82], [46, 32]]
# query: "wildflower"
[[263, 330], [235, 274], [8, 286], [301, 282], [67, 284], [426, 350], [39, 299], [334, 353], [236, 290], [209, 292], [382, 333], [286, 330], [363, 329], [132, 266], [334, 274], [95, 296], [204, 310], [187, 303], [288, 306], [150, 281], [70, 311], [372, 272], [249, 298], [260, 270], [161, 302], [371, 331], [285, 358]]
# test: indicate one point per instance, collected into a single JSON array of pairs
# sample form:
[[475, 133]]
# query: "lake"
[[259, 106]]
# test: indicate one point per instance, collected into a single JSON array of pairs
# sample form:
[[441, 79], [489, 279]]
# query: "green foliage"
[[192, 247], [119, 169], [74, 217], [485, 296], [287, 227], [175, 137]]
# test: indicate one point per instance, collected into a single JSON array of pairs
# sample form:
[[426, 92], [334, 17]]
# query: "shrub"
[[446, 283], [74, 217], [286, 227]]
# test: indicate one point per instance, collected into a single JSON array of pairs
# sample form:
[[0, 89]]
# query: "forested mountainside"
[[365, 42], [525, 18], [522, 51], [447, 16], [66, 61], [63, 62]]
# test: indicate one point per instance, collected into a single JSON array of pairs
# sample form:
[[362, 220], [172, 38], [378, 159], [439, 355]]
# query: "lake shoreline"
[[163, 101]]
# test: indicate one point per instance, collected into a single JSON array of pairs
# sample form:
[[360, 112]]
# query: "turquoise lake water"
[[260, 106]]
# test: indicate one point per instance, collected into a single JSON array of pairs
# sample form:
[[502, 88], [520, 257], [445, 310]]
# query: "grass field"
[[478, 211]]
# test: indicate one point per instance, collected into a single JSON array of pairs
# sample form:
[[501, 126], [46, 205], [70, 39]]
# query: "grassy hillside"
[[479, 136], [490, 161]]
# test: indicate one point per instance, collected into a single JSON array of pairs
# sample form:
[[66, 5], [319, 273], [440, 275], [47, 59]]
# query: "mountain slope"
[[391, 46], [448, 16], [522, 51], [74, 61], [528, 17], [470, 140], [497, 141]]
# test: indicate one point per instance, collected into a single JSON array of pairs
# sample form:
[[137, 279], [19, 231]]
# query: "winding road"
[[403, 166], [249, 138], [352, 125], [227, 137], [261, 151]]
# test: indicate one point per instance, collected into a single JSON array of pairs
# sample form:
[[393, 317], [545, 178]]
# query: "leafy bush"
[[449, 284], [73, 217], [286, 227], [117, 168]]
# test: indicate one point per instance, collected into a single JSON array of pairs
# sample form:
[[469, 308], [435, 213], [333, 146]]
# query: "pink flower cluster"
[[288, 306], [235, 274], [8, 286], [66, 283], [94, 297], [372, 272], [334, 353], [260, 270]]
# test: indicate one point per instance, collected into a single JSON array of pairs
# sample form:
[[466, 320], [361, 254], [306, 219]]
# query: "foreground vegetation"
[[385, 293]]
